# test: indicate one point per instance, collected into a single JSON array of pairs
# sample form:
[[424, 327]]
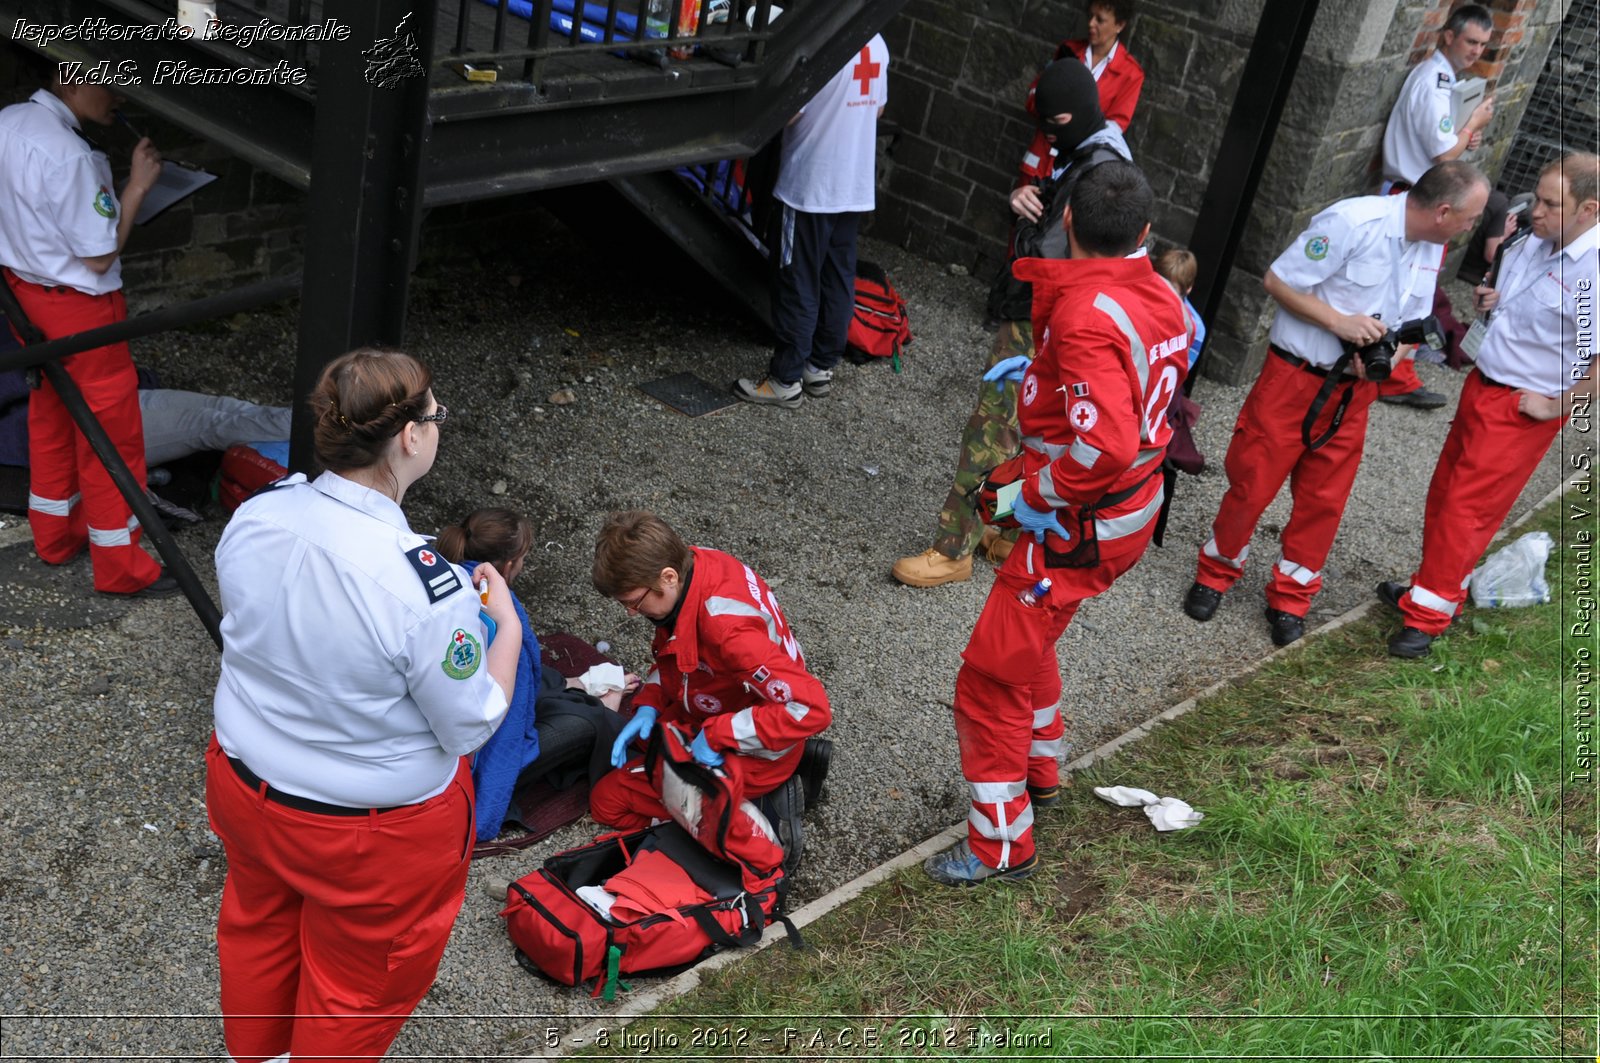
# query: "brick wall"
[[960, 71]]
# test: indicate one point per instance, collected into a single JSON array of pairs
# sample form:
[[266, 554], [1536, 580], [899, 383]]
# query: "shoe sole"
[[1405, 656], [926, 581], [817, 391], [1015, 874], [815, 759], [791, 403]]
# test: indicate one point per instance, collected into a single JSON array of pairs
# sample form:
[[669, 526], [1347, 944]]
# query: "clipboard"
[[178, 181], [1464, 99]]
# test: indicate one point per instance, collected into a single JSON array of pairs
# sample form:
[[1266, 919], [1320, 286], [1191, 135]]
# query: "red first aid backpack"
[[244, 471], [708, 902], [879, 327]]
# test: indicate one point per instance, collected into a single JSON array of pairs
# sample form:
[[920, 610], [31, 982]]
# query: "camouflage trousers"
[[990, 437]]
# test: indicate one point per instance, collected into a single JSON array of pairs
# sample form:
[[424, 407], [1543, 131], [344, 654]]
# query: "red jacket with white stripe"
[[1113, 349], [731, 667]]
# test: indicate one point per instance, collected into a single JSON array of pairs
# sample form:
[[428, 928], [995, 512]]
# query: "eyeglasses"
[[638, 600], [437, 416]]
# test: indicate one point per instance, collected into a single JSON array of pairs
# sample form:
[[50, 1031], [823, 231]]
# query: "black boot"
[[1285, 627], [1201, 602]]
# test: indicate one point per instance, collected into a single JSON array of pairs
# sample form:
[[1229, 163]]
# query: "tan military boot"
[[996, 545], [931, 568]]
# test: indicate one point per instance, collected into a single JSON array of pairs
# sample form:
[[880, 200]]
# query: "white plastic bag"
[[1513, 575]]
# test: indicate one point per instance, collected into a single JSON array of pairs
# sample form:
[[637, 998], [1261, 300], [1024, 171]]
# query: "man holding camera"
[[1533, 371], [1361, 269], [1422, 132]]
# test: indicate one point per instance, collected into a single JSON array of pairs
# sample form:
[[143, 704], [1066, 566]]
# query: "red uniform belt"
[[1300, 363], [304, 804]]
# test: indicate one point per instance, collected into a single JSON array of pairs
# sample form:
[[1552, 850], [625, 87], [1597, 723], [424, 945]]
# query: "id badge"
[[1474, 339]]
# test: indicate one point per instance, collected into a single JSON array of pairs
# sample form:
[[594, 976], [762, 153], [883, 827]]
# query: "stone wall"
[[960, 71]]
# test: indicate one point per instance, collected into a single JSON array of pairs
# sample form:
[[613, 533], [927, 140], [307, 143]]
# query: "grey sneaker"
[[769, 392], [958, 866], [816, 382]]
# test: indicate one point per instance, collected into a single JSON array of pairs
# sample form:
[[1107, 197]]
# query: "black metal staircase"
[[381, 123]]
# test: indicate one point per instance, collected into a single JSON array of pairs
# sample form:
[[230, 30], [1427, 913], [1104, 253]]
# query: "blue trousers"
[[814, 294]]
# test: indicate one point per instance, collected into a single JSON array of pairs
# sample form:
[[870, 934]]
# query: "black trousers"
[[813, 294]]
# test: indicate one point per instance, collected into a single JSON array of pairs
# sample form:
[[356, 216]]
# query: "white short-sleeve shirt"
[[1533, 340], [1354, 256], [1420, 126], [57, 204], [352, 653], [830, 152]]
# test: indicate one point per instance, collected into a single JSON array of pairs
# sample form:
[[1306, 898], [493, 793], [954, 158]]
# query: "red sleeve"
[[790, 704], [1120, 102], [1090, 363]]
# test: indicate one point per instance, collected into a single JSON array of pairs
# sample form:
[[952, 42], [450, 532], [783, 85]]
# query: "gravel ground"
[[111, 878]]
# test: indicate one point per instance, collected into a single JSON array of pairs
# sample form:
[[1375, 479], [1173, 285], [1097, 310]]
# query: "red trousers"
[[627, 799], [71, 499], [1008, 692], [1266, 450], [1487, 459], [332, 927]]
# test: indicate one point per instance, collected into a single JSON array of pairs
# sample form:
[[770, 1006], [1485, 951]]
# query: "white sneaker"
[[769, 392], [816, 382]]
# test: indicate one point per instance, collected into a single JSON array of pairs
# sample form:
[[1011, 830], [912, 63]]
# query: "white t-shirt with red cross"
[[830, 150]]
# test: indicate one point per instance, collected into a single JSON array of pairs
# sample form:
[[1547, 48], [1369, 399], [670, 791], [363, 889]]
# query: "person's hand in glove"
[[638, 727], [703, 752], [1038, 521], [1008, 369]]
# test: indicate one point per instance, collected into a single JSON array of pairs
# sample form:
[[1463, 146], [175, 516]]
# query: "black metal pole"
[[122, 476], [1242, 156], [364, 212], [171, 317]]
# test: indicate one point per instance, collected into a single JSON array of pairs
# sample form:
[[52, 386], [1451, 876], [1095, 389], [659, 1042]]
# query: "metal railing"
[[657, 32]]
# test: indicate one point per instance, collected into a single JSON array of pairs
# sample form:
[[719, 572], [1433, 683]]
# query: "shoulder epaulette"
[[438, 577]]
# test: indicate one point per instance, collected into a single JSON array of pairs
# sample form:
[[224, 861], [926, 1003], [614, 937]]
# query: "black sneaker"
[[1285, 627], [1420, 399], [813, 769], [1410, 643], [1390, 593], [163, 586], [1201, 602], [783, 808]]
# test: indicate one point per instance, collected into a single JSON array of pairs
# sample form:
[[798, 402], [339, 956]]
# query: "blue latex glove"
[[1008, 369], [703, 752], [638, 727], [1038, 521]]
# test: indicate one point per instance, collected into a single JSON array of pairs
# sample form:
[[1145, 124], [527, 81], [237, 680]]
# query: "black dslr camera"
[[1377, 357]]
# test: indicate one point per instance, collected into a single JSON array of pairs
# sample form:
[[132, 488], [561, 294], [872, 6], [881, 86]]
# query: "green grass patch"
[[1390, 867]]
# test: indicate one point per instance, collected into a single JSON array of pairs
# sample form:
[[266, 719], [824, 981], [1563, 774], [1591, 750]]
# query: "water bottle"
[[656, 16], [1035, 594]]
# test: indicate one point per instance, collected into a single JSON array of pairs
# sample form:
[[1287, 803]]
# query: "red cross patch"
[[1084, 415], [428, 557], [459, 637]]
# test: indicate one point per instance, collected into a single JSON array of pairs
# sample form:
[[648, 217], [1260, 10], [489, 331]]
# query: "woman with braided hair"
[[356, 674]]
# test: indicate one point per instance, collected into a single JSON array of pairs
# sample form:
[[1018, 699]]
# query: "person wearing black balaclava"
[[1067, 103]]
